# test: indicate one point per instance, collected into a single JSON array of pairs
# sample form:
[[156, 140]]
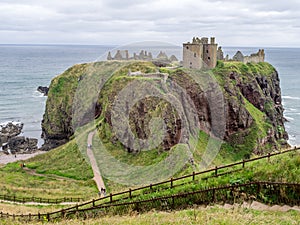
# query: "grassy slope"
[[280, 168], [62, 172], [206, 216]]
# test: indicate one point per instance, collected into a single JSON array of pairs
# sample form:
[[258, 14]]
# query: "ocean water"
[[25, 67]]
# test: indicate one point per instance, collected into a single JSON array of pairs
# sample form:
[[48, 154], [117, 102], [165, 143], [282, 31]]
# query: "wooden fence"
[[23, 200], [147, 187], [266, 192]]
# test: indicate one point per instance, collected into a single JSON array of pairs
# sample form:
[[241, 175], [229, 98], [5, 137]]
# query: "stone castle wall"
[[200, 53]]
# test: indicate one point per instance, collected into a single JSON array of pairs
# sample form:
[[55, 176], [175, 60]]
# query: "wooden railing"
[[130, 192], [279, 193]]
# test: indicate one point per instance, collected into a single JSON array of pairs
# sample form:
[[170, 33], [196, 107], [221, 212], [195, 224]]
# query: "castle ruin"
[[253, 58], [143, 55], [200, 53]]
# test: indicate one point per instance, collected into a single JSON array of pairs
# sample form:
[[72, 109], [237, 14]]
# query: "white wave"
[[290, 97], [289, 118], [37, 94]]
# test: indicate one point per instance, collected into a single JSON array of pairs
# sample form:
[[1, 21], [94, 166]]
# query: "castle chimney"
[[212, 40]]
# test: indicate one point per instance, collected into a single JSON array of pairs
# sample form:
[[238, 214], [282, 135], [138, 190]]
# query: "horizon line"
[[116, 45]]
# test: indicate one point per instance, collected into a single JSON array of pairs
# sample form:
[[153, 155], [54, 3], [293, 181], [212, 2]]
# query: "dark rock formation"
[[9, 130], [22, 145], [43, 90]]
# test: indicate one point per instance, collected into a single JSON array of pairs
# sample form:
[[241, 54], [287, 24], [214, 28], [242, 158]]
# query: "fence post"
[[39, 215], [243, 163], [63, 213], [110, 197], [171, 182], [193, 175], [14, 198], [29, 216], [48, 217], [269, 154], [173, 203], [130, 193], [93, 202], [216, 171], [150, 186], [258, 188], [137, 206]]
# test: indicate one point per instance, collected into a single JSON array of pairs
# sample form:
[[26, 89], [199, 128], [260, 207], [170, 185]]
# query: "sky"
[[259, 23]]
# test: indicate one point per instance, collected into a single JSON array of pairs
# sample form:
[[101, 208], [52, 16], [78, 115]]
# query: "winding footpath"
[[97, 175]]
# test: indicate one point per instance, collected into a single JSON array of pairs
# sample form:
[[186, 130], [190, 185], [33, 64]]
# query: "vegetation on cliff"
[[252, 99], [254, 125]]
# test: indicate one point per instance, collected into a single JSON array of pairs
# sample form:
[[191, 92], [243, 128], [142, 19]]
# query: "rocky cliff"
[[252, 101]]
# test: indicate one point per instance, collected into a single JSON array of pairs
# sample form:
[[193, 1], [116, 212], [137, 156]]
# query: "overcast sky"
[[234, 22]]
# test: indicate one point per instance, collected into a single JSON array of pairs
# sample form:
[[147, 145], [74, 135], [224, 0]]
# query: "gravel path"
[[4, 159], [97, 175]]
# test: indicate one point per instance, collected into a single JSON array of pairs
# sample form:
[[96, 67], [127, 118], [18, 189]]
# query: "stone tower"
[[200, 53]]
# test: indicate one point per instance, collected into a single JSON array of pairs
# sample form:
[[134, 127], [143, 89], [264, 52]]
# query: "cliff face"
[[254, 113], [254, 108], [57, 119]]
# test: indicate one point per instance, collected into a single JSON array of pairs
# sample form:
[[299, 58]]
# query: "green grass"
[[196, 215], [280, 168], [62, 172]]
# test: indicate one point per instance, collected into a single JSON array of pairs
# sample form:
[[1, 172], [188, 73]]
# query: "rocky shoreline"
[[12, 143]]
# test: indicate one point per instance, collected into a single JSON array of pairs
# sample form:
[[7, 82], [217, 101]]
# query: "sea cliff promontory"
[[253, 110]]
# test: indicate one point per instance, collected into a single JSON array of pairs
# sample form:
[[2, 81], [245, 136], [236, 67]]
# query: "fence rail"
[[13, 198], [267, 192]]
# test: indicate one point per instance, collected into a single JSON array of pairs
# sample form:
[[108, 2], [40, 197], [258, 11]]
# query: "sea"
[[25, 67]]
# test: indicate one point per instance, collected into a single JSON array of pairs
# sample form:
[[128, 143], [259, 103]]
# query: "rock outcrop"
[[254, 113], [43, 90], [9, 130], [22, 145]]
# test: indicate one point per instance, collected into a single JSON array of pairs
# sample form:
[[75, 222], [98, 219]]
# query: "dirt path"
[[97, 175], [261, 207]]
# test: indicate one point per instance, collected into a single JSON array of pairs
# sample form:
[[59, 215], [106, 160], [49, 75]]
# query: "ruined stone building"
[[200, 53], [253, 58], [124, 55], [143, 55], [239, 57]]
